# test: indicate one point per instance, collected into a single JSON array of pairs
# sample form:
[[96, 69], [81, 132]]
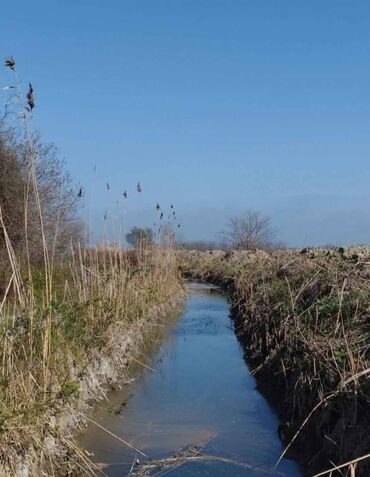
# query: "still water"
[[200, 393]]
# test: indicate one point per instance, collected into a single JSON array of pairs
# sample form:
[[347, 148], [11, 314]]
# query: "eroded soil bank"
[[303, 320]]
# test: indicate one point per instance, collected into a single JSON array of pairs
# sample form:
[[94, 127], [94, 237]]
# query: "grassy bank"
[[71, 317], [66, 335], [303, 319]]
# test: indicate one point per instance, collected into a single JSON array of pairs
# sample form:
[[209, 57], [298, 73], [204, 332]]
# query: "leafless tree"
[[251, 230], [58, 199]]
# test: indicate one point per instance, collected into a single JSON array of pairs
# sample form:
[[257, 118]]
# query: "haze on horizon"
[[214, 106]]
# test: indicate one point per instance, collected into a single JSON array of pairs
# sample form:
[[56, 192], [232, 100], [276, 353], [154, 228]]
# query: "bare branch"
[[250, 230]]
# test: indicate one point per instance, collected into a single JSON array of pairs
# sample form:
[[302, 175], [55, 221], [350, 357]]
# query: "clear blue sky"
[[213, 105]]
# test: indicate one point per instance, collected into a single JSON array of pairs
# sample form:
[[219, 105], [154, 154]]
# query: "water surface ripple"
[[201, 388]]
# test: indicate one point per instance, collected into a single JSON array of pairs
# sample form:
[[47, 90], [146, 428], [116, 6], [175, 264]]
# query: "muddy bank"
[[302, 318]]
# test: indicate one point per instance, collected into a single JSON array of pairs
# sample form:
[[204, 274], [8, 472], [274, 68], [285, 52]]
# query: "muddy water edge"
[[190, 406]]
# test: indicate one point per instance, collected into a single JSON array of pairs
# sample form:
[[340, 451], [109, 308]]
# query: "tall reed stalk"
[[55, 316]]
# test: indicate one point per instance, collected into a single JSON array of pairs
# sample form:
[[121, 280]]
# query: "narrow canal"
[[198, 411]]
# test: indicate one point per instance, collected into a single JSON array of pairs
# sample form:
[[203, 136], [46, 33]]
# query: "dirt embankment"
[[303, 318]]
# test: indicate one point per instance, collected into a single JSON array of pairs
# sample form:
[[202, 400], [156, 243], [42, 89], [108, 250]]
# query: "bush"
[[139, 236]]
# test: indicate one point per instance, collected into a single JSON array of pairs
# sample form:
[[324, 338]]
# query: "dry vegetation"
[[71, 317], [51, 343], [303, 318]]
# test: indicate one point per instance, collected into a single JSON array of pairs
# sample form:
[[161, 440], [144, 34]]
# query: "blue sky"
[[215, 106]]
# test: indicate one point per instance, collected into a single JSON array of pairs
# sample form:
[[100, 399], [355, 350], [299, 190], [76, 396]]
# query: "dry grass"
[[65, 312], [50, 329]]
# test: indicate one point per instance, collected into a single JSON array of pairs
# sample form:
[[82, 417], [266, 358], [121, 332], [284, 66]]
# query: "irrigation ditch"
[[302, 318]]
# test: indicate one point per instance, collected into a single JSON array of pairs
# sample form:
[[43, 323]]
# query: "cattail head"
[[108, 186], [161, 216], [30, 97], [125, 194], [10, 63], [157, 206], [138, 187]]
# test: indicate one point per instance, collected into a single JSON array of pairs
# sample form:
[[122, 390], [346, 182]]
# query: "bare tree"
[[39, 204], [250, 230], [57, 196]]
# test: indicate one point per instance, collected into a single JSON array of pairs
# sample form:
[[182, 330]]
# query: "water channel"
[[200, 402]]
